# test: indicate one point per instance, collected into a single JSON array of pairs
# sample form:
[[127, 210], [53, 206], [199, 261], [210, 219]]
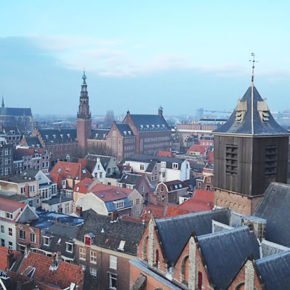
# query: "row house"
[[11, 213], [160, 169], [105, 247], [11, 134], [106, 199], [6, 158], [168, 192], [31, 158], [102, 166], [67, 174], [24, 186]]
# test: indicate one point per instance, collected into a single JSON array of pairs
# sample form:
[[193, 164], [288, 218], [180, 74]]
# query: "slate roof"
[[174, 232], [100, 134], [58, 136], [175, 185], [225, 253], [92, 159], [149, 122], [15, 111], [131, 178], [275, 208], [252, 124], [60, 234], [109, 234], [125, 130], [57, 199], [275, 271], [33, 141]]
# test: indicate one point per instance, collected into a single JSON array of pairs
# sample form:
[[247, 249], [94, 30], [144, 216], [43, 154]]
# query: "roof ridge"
[[223, 233], [273, 257]]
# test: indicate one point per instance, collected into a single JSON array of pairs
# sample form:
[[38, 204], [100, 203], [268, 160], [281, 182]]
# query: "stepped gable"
[[275, 209], [225, 253], [275, 271], [252, 116], [174, 232]]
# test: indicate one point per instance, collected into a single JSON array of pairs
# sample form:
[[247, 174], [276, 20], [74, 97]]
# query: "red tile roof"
[[158, 211], [165, 154], [68, 170], [210, 156], [83, 185], [197, 148], [11, 206], [109, 192], [4, 262], [62, 276]]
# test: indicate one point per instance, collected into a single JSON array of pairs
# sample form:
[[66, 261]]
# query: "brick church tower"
[[84, 123], [251, 151]]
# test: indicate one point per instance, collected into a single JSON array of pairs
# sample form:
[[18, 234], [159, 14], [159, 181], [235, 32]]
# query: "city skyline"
[[182, 57]]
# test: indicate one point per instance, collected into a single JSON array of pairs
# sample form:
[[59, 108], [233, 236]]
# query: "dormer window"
[[241, 110], [119, 204], [69, 247], [264, 111], [88, 239], [175, 165], [46, 241], [9, 215]]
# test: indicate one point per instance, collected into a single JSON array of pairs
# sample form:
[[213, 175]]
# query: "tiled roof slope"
[[225, 253], [275, 271], [174, 232], [252, 123], [56, 136], [61, 277], [109, 234], [275, 208], [125, 130]]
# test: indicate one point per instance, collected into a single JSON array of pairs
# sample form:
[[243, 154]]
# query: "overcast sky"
[[139, 55]]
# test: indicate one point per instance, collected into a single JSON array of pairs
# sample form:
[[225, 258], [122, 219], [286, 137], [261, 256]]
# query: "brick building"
[[251, 151], [152, 132], [6, 158], [105, 247]]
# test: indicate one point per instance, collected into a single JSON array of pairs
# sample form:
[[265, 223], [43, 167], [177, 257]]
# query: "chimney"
[[79, 211], [160, 111], [114, 216]]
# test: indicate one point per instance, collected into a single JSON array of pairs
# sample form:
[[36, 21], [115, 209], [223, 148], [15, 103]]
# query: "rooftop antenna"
[[253, 61]]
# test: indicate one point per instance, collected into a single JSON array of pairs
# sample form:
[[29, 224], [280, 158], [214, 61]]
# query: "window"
[[69, 247], [113, 281], [32, 238], [22, 234], [82, 253], [9, 215], [2, 229], [46, 241], [113, 262], [141, 166], [2, 242], [119, 204], [93, 271], [199, 281], [231, 159], [175, 165], [137, 201], [10, 231], [10, 245], [93, 257]]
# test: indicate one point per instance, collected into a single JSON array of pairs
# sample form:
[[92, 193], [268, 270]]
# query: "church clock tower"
[[84, 123], [251, 151]]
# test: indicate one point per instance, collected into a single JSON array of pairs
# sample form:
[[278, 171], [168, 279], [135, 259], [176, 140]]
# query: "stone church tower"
[[251, 151], [84, 123]]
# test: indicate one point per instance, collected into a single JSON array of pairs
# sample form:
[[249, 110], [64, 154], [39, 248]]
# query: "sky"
[[139, 55]]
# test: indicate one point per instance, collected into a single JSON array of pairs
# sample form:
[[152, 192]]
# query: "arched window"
[[145, 247], [184, 270], [240, 286], [199, 281]]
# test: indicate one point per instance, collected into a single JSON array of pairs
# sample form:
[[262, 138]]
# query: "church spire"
[[3, 105], [84, 108]]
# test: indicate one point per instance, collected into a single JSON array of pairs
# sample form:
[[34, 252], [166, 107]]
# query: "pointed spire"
[[84, 77], [3, 105]]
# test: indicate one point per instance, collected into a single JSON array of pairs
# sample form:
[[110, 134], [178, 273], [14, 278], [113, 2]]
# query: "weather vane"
[[253, 61]]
